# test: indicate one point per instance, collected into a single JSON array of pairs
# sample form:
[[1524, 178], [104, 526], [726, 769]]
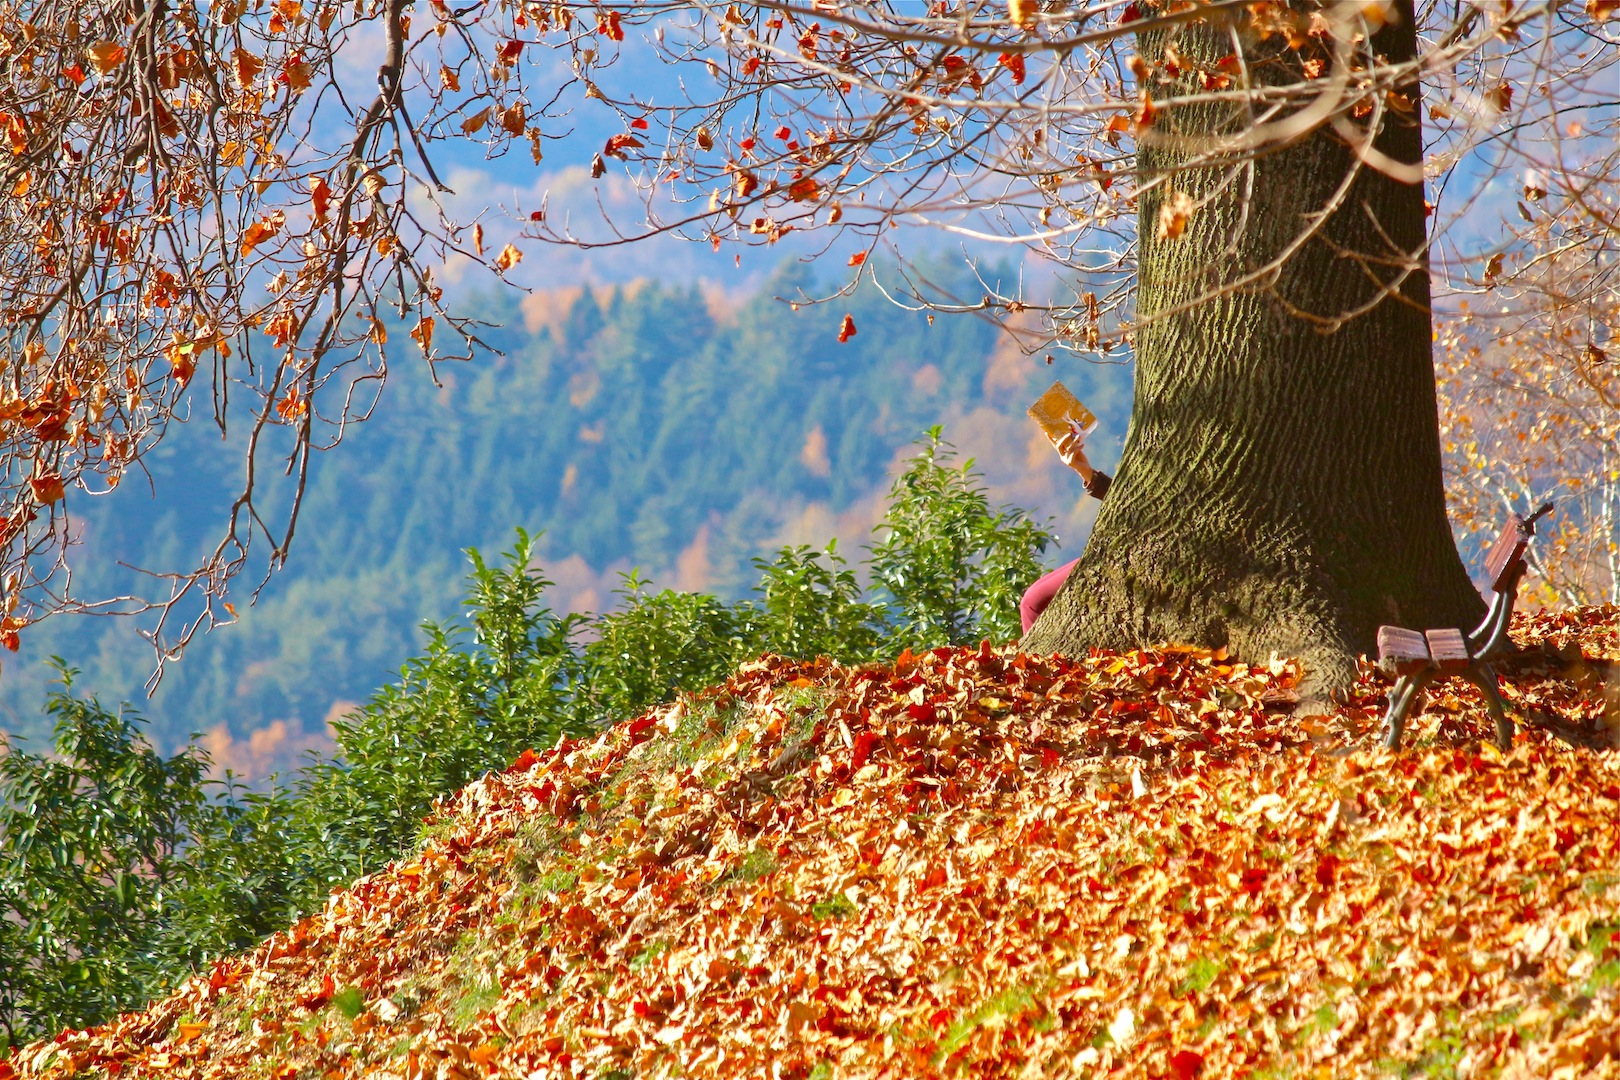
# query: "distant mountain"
[[664, 426]]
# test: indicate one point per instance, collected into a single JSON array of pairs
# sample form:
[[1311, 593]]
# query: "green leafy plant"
[[121, 869], [458, 711], [954, 567]]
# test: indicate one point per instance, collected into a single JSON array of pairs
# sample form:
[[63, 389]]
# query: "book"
[[1058, 412]]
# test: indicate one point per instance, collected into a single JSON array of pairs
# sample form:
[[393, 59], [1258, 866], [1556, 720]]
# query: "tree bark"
[[1280, 488]]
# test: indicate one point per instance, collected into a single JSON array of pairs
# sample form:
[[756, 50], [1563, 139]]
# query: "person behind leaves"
[[1072, 449]]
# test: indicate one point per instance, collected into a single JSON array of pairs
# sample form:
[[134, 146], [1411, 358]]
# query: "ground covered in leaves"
[[978, 863]]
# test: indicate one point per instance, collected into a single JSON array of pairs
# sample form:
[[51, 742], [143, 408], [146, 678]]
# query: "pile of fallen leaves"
[[974, 862]]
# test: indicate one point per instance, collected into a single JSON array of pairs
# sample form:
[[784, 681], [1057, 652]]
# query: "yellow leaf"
[[423, 334], [106, 55], [508, 258]]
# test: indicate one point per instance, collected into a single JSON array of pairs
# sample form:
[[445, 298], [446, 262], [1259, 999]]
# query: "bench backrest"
[[1506, 560]]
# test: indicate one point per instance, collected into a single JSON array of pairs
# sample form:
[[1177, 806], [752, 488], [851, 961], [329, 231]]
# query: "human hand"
[[1071, 449]]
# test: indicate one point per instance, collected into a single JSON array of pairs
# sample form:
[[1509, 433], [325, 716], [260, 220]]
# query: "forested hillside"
[[672, 428]]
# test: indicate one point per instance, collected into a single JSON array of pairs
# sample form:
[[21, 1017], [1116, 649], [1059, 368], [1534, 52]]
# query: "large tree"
[[204, 196], [1280, 488]]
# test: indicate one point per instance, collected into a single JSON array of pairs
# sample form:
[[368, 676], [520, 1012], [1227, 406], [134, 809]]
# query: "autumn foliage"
[[972, 862]]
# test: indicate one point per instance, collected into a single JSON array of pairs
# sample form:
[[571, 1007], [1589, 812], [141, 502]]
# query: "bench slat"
[[1507, 554], [1402, 651], [1448, 648]]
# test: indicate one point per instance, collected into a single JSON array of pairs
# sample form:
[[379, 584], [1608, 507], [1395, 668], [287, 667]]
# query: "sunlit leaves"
[[260, 231], [423, 334], [246, 66], [106, 55], [509, 257], [47, 487], [1174, 212]]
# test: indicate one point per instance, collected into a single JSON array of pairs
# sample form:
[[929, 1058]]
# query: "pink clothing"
[[1038, 595]]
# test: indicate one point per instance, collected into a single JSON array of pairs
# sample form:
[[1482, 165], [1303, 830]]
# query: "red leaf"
[[639, 123], [618, 144], [846, 330], [1186, 1063], [1013, 62], [784, 132], [857, 258]]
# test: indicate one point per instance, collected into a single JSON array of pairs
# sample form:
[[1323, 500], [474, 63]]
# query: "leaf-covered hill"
[[973, 862]]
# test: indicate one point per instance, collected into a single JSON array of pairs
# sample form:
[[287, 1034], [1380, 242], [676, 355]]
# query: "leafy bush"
[[458, 711], [106, 893], [121, 870], [811, 605], [954, 568], [659, 643]]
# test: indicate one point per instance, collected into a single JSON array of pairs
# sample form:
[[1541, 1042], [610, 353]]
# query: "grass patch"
[[350, 1001], [648, 954], [1006, 1006], [837, 906], [755, 865], [478, 999], [1200, 975]]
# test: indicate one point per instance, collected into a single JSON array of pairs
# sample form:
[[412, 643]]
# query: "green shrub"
[[120, 869], [659, 643], [811, 605], [954, 568], [459, 710]]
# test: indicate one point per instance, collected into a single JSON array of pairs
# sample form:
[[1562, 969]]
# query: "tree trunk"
[[1280, 488]]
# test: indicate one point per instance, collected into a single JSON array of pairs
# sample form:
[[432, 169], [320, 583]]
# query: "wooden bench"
[[1416, 659]]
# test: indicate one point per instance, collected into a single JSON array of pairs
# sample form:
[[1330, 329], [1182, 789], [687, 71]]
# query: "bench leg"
[[1401, 697], [1483, 676]]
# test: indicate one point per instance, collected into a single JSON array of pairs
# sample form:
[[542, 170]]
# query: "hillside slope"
[[972, 862]]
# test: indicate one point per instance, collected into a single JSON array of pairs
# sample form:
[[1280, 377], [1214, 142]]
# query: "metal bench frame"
[[1417, 659]]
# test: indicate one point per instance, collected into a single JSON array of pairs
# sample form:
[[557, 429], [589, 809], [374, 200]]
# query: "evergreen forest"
[[621, 426]]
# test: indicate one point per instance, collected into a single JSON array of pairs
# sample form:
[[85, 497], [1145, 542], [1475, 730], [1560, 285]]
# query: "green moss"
[[837, 906], [1008, 1005], [1200, 975]]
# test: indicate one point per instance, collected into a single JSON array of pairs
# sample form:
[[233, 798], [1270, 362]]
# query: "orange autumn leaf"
[[846, 329], [509, 257], [260, 231], [320, 194], [47, 488], [423, 334], [618, 144], [247, 66], [106, 55]]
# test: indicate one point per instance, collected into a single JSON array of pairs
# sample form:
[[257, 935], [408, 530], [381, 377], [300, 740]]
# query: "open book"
[[1059, 412]]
